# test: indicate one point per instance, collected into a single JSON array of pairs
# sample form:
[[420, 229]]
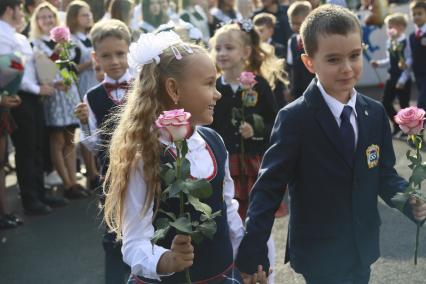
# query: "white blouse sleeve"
[[138, 252], [236, 228]]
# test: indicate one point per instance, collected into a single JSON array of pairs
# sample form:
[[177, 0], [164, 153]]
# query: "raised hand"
[[257, 278], [180, 256]]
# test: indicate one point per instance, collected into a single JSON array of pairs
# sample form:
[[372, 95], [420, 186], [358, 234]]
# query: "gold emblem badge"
[[250, 98], [373, 155]]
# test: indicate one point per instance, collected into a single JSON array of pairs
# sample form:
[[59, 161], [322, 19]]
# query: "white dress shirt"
[[138, 252], [11, 42], [336, 108], [92, 142]]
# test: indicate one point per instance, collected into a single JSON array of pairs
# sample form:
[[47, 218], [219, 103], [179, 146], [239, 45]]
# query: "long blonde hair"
[[262, 59], [35, 31], [135, 137]]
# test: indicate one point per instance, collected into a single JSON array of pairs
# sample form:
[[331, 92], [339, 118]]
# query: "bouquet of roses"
[[248, 99], [175, 128], [411, 120], [11, 73]]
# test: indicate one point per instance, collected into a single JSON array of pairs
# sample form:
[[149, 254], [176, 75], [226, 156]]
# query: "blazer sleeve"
[[390, 182], [277, 169]]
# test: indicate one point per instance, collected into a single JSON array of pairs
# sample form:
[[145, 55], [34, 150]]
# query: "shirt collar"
[[6, 27], [81, 36], [195, 141], [234, 87], [401, 37], [422, 28], [45, 38], [125, 78], [335, 106]]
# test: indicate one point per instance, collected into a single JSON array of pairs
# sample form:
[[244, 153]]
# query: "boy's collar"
[[422, 28], [335, 105], [125, 78]]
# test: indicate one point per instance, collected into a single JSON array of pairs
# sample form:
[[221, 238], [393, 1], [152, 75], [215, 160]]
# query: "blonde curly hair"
[[262, 60], [135, 137]]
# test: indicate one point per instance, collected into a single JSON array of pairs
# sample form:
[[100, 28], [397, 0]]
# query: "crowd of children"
[[132, 65]]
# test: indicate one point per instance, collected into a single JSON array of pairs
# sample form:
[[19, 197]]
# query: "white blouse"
[[138, 230]]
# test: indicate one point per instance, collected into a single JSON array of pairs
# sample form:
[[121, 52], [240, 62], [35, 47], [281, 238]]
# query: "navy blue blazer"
[[333, 203]]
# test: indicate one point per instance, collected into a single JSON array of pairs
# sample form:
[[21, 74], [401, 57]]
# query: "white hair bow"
[[150, 46]]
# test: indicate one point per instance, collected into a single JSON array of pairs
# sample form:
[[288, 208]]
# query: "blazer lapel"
[[326, 119], [363, 115]]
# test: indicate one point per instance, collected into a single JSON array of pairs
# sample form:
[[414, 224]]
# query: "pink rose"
[[410, 120], [60, 34], [247, 80], [174, 125], [392, 33]]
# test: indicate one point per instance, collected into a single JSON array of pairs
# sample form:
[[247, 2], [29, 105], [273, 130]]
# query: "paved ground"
[[65, 247]]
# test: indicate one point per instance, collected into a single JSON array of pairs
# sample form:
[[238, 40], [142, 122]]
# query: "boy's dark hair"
[[327, 20], [265, 19], [109, 28], [418, 4], [299, 8], [8, 3]]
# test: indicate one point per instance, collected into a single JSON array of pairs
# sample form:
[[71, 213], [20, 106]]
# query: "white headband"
[[150, 46]]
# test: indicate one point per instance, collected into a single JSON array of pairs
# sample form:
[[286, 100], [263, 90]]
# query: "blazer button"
[[236, 133]]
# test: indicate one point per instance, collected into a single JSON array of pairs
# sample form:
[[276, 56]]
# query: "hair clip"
[[176, 52], [187, 48], [246, 25]]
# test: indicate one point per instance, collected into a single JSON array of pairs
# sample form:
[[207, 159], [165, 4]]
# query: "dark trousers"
[[421, 87], [358, 273], [391, 93], [28, 141], [116, 271]]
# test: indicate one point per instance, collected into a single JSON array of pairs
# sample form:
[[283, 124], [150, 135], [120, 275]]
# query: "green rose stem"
[[181, 195], [418, 142], [86, 127], [243, 171]]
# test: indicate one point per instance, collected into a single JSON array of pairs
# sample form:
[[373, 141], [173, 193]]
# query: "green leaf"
[[208, 229], [162, 228], [185, 169], [418, 175], [197, 237], [167, 173], [400, 199], [258, 125], [183, 225], [168, 214], [199, 188], [236, 116], [176, 188], [211, 217], [199, 206]]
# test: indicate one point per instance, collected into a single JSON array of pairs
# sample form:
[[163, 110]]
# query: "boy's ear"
[[172, 89], [94, 57], [308, 62]]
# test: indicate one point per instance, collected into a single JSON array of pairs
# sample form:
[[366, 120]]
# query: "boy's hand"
[[59, 85], [46, 90], [399, 86], [10, 101], [419, 209], [374, 63], [179, 258], [257, 278], [81, 111], [246, 130]]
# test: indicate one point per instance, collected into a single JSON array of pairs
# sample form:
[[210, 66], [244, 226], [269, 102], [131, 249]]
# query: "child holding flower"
[[171, 75], [398, 84], [236, 48], [333, 149], [59, 108]]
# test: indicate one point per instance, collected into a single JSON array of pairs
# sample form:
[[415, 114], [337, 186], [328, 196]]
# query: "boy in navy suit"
[[417, 46], [333, 149], [111, 40]]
